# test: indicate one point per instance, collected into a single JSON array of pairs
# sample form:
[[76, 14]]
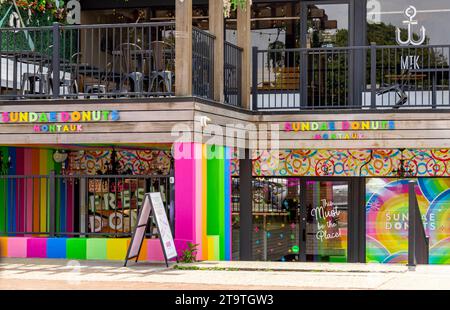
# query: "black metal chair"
[[103, 87], [162, 68], [399, 90], [131, 67]]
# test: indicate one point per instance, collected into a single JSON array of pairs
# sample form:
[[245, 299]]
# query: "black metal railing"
[[367, 77], [84, 205], [232, 74], [88, 61], [202, 64]]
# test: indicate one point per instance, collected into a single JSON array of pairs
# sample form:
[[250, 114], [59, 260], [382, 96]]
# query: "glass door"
[[324, 221]]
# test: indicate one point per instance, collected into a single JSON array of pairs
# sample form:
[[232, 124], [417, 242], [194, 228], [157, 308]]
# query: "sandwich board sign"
[[153, 206]]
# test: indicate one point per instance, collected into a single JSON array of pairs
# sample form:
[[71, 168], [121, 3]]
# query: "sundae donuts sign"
[[338, 130], [59, 122]]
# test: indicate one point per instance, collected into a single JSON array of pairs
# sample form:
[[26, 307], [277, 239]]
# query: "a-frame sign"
[[153, 207]]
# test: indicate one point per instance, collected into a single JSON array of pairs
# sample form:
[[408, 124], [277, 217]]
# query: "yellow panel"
[[213, 247], [116, 249]]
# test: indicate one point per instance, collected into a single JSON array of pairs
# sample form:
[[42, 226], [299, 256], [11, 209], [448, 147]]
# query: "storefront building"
[[120, 99]]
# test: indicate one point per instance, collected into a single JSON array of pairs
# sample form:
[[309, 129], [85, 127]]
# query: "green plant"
[[189, 255]]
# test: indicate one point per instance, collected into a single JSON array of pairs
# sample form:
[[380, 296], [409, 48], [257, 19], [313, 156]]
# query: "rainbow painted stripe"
[[17, 210], [77, 248], [203, 199]]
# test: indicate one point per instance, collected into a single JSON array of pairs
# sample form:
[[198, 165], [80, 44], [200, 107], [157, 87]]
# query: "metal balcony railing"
[[202, 64], [368, 77], [88, 61], [232, 74]]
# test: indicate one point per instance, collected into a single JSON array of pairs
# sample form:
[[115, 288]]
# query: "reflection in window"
[[383, 16], [327, 25]]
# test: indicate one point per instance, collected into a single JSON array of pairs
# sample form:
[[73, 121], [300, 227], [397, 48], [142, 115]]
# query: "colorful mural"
[[387, 218], [24, 202], [348, 163], [17, 210], [139, 162]]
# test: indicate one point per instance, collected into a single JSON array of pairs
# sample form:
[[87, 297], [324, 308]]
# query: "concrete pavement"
[[63, 274]]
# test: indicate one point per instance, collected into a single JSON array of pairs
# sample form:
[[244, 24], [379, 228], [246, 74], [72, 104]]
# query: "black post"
[[52, 202], [255, 78], [411, 224], [16, 92], [56, 60], [357, 220], [245, 208], [434, 90], [373, 75], [303, 79]]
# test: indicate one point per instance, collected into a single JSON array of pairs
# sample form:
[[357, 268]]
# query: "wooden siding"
[[152, 122]]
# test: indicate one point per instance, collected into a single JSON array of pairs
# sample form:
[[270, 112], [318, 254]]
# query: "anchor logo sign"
[[411, 12]]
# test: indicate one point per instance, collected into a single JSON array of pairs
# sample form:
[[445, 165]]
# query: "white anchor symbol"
[[411, 12]]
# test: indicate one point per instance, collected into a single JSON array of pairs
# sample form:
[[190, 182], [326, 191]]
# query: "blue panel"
[[56, 248], [227, 204]]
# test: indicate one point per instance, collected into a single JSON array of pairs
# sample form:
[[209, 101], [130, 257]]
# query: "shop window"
[[387, 219], [327, 25], [384, 16], [274, 25]]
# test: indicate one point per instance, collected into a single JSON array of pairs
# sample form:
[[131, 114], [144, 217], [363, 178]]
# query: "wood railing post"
[[183, 48], [244, 40], [217, 28]]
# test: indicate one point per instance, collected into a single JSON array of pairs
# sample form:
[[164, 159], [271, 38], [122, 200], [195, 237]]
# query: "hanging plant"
[[232, 5], [36, 12]]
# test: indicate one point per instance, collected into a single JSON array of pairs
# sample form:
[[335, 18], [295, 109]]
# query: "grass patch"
[[181, 267]]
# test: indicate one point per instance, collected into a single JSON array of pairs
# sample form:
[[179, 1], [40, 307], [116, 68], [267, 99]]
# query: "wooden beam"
[[244, 40], [217, 28], [183, 48]]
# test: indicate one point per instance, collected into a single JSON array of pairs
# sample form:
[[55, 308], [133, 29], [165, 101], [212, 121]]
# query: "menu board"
[[153, 205], [165, 233]]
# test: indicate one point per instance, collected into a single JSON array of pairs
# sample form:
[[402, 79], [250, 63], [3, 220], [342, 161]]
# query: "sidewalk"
[[63, 274]]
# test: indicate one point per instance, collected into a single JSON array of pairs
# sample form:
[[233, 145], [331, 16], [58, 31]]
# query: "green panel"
[[338, 259], [216, 195], [76, 248], [96, 249]]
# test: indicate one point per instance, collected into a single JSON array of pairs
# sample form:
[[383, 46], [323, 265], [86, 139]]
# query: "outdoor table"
[[433, 72]]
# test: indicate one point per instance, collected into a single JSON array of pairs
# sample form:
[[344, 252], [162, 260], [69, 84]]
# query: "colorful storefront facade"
[[334, 125], [312, 179], [324, 204]]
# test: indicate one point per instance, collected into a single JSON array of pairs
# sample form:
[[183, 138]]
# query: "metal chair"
[[68, 85], [100, 89], [399, 90], [133, 80], [35, 83], [160, 66]]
